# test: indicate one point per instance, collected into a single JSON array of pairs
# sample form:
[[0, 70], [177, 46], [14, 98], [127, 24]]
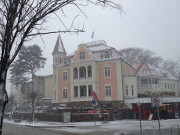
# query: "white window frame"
[[107, 71], [65, 60], [108, 90], [65, 93], [65, 76], [127, 90], [82, 56], [132, 89], [107, 55]]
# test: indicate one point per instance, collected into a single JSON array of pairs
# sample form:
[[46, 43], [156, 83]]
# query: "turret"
[[59, 52]]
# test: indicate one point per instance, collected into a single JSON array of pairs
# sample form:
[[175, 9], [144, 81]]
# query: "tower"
[[59, 55]]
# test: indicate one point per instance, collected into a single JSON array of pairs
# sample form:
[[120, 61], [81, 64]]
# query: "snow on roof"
[[145, 69], [97, 49]]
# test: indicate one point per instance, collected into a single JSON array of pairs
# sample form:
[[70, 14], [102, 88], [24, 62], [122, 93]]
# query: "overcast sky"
[[149, 24]]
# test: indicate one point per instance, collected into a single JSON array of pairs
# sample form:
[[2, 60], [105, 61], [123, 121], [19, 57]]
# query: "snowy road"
[[129, 127]]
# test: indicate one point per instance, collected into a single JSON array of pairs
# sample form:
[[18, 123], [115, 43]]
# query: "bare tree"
[[20, 21], [171, 66], [138, 55]]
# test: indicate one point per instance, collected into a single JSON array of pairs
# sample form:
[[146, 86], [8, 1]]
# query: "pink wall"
[[126, 70], [110, 80], [62, 84], [81, 49]]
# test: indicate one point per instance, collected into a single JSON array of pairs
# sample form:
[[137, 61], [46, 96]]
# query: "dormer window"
[[65, 60], [107, 54], [82, 56]]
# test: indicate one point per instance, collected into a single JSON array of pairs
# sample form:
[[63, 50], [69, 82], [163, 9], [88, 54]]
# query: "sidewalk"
[[47, 124]]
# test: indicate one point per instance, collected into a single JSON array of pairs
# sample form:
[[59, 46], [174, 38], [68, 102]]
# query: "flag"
[[92, 36]]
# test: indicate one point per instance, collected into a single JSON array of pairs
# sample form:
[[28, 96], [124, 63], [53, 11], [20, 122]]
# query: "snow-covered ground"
[[116, 127]]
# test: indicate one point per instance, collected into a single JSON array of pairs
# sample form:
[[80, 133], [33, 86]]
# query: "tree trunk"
[[33, 111], [3, 97]]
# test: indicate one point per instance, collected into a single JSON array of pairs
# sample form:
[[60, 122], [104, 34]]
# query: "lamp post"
[[139, 104]]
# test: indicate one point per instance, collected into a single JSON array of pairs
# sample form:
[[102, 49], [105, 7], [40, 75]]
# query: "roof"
[[145, 69], [97, 49], [59, 46], [152, 71]]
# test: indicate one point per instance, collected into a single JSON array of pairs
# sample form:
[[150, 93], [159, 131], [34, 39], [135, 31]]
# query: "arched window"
[[82, 72], [107, 54], [75, 73], [89, 71], [82, 56]]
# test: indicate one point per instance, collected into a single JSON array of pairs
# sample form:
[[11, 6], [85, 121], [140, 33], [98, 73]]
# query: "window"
[[83, 92], [89, 90], [59, 59], [82, 72], [55, 60], [144, 71], [82, 56], [165, 85], [64, 76], [108, 90], [174, 86], [64, 93], [107, 71], [132, 88], [75, 91], [55, 93], [126, 90], [75, 73], [55, 78], [107, 54], [89, 71], [65, 60]]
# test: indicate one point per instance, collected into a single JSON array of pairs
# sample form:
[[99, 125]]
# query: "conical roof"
[[59, 46]]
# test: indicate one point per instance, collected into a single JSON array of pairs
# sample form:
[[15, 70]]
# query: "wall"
[[49, 92], [130, 80]]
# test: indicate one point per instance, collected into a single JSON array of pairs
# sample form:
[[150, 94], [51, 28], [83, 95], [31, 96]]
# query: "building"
[[48, 88], [93, 66], [155, 81], [42, 85]]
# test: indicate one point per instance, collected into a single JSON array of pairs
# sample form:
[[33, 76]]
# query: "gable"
[[82, 49], [145, 70]]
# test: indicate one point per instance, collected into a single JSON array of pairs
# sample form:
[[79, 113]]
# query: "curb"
[[48, 126]]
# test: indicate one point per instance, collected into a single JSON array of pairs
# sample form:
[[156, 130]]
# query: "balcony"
[[150, 86]]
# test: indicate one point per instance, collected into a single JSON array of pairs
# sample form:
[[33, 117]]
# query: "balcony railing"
[[151, 86]]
